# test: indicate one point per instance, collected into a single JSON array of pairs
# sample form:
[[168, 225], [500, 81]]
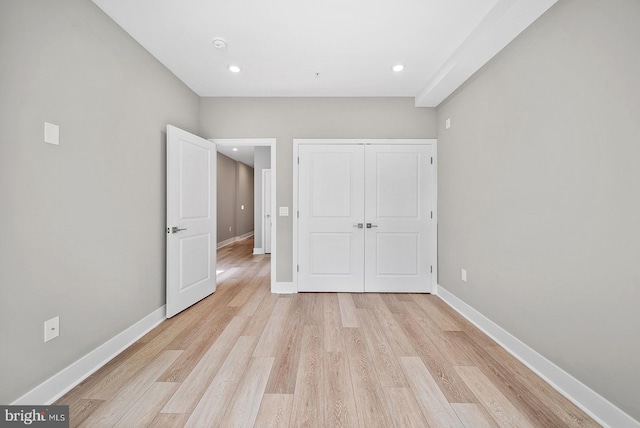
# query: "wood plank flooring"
[[244, 357]]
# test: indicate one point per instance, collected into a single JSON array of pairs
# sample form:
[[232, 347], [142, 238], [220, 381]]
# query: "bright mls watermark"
[[34, 416]]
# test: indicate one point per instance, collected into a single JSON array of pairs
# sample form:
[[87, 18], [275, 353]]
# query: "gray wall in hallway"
[[226, 194], [244, 199], [235, 188]]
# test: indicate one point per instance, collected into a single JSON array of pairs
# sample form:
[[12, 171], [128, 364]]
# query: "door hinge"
[[430, 269], [431, 214], [298, 268], [298, 160], [298, 213], [432, 161]]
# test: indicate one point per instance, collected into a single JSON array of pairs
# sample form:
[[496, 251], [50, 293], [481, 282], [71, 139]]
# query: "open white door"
[[191, 219]]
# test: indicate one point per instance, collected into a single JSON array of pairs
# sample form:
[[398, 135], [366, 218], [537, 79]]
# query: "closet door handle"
[[359, 225], [369, 225]]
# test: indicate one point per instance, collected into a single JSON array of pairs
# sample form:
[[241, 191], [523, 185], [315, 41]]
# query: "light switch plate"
[[463, 275], [284, 211], [51, 133], [51, 329], [447, 123]]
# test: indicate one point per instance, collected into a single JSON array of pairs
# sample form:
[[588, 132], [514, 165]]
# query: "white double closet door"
[[365, 218]]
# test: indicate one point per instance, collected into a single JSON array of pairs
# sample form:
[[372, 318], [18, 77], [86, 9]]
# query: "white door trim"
[[404, 141], [269, 142], [266, 224]]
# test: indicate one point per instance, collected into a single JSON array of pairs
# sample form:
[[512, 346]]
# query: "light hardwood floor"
[[244, 357]]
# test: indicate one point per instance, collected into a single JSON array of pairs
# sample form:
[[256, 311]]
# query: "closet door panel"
[[397, 216], [331, 205]]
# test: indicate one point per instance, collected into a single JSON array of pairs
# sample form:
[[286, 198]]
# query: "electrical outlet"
[[463, 275], [447, 123], [229, 228], [51, 329]]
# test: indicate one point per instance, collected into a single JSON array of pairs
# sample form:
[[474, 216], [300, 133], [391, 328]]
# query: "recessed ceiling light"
[[219, 43], [235, 149], [398, 67], [234, 69]]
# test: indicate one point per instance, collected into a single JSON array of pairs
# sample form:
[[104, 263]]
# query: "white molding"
[[59, 384], [226, 242], [599, 408], [284, 288], [245, 236], [504, 22], [234, 239], [258, 251]]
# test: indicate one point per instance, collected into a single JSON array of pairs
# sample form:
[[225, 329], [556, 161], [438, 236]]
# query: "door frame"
[[269, 142], [434, 194], [263, 210]]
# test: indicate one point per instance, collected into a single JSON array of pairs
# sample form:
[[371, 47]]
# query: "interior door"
[[398, 218], [266, 204], [330, 226], [191, 219]]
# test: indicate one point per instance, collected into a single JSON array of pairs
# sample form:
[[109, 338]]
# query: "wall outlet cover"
[[51, 133], [51, 329]]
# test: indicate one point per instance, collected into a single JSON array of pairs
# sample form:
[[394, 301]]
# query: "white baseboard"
[[599, 408], [59, 384], [245, 236], [226, 242], [258, 251], [234, 239], [284, 288]]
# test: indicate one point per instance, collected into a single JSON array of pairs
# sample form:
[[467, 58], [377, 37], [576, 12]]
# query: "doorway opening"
[[261, 153]]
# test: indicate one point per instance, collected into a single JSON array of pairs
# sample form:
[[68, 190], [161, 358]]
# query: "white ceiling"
[[352, 44], [244, 154]]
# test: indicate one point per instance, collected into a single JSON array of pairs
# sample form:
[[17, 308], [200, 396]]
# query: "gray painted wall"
[[235, 188], [226, 187], [538, 192], [244, 198], [289, 118], [261, 161], [83, 222]]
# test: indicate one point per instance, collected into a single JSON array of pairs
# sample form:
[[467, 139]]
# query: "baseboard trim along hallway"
[[600, 409], [65, 380]]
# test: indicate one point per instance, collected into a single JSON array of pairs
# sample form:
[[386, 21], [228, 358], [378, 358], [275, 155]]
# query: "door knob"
[[175, 229], [369, 225], [359, 225]]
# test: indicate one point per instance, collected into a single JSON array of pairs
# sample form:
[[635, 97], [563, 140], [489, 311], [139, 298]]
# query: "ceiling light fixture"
[[219, 43], [235, 149], [234, 69], [398, 67]]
